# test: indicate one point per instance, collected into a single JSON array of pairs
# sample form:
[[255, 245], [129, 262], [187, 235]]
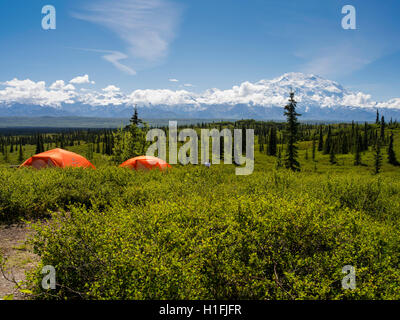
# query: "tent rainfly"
[[57, 158], [145, 163]]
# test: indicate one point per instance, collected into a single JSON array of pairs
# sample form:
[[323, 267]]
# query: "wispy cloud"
[[146, 26], [173, 80], [114, 57]]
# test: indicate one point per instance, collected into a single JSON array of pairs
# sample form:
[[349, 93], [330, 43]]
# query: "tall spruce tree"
[[135, 118], [272, 142], [291, 161], [377, 116], [377, 156], [21, 153], [321, 140], [328, 141], [365, 138], [383, 125], [391, 154], [313, 147], [357, 155], [332, 156]]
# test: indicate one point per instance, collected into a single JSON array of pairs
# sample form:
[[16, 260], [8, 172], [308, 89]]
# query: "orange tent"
[[145, 163], [57, 158]]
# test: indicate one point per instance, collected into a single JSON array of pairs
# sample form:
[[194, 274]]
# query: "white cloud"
[[60, 85], [81, 80], [188, 85], [30, 92], [310, 91], [146, 26], [173, 80], [114, 57], [111, 88]]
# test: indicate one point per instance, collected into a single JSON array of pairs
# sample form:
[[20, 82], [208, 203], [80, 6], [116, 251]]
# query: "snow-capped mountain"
[[318, 99]]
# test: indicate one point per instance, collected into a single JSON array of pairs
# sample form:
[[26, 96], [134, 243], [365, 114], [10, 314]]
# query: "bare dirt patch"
[[19, 257]]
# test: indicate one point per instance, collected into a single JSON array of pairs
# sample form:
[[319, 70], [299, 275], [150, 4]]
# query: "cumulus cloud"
[[111, 88], [310, 90], [31, 92], [81, 80]]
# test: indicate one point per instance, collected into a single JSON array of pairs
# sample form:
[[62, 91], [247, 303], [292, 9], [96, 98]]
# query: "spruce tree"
[[328, 141], [292, 132], [21, 153], [365, 141], [383, 129], [278, 163], [272, 142], [332, 157], [391, 154], [135, 118], [377, 116], [321, 140], [377, 156], [357, 156], [313, 148]]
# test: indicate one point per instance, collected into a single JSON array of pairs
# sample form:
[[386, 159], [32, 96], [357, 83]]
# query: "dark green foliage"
[[272, 142], [141, 237], [320, 141], [357, 155], [383, 125], [332, 156], [21, 153], [291, 161], [391, 154], [377, 156], [328, 141]]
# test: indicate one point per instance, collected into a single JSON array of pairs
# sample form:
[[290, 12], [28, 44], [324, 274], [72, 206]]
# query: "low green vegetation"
[[204, 233]]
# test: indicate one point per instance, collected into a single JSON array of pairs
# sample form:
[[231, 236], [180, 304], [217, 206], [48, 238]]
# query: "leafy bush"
[[204, 233]]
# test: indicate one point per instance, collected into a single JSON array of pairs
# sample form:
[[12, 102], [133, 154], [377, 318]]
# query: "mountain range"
[[318, 99]]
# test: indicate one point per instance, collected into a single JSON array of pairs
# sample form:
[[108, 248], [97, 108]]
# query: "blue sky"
[[204, 43]]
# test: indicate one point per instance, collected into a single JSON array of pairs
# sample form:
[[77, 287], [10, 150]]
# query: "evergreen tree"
[[292, 132], [365, 138], [328, 142], [383, 129], [272, 142], [377, 156], [278, 163], [357, 156], [391, 154], [332, 157], [6, 158], [21, 153], [377, 116], [313, 147], [135, 118], [321, 140]]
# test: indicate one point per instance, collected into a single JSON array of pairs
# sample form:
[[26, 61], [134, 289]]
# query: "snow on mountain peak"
[[311, 91]]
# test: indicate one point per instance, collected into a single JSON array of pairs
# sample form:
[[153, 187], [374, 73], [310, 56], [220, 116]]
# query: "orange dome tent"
[[145, 163], [57, 158]]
